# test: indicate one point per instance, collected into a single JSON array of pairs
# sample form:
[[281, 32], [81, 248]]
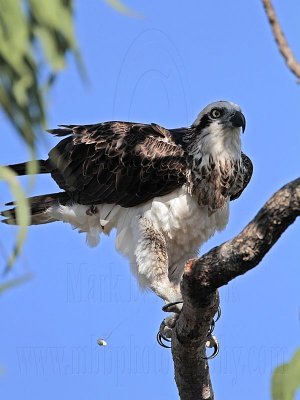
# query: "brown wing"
[[244, 178], [117, 162]]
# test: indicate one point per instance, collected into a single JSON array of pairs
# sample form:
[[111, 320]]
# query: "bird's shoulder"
[[243, 178]]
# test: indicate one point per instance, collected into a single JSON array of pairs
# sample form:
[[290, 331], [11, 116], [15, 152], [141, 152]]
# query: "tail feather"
[[24, 167], [38, 208], [64, 130]]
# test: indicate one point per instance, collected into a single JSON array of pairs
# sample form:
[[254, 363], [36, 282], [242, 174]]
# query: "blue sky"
[[163, 68]]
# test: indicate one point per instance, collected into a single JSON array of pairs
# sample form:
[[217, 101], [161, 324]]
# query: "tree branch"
[[281, 41], [202, 277]]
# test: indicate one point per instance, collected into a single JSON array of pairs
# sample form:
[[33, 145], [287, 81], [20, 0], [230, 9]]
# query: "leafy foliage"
[[22, 214], [35, 36], [120, 7], [13, 283], [286, 379]]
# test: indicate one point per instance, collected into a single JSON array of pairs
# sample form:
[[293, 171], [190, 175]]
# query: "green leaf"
[[35, 37], [57, 38], [15, 282], [120, 7], [286, 379], [35, 32], [22, 211]]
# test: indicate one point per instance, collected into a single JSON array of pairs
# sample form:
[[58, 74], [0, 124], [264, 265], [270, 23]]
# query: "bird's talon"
[[211, 328], [212, 343], [165, 330], [219, 313], [160, 338], [170, 307]]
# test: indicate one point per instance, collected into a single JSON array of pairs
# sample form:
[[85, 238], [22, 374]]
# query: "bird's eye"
[[215, 113]]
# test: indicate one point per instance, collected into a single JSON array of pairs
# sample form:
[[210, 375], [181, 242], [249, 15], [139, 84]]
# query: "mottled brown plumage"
[[117, 162], [129, 163], [215, 182]]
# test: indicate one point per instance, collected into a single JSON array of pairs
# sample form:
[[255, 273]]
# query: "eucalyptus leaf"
[[286, 379], [14, 282], [32, 37], [22, 213], [120, 7]]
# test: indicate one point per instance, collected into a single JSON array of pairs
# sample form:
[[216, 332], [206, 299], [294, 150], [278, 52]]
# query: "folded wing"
[[117, 162]]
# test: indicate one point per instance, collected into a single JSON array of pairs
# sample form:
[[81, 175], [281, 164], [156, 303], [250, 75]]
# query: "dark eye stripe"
[[204, 122]]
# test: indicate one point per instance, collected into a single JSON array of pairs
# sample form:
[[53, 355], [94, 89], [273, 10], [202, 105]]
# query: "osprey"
[[165, 191]]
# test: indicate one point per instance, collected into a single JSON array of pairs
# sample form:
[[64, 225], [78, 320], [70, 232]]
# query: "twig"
[[282, 43], [203, 276]]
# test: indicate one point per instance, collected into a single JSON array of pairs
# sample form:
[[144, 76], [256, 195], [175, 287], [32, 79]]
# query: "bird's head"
[[221, 115], [216, 131]]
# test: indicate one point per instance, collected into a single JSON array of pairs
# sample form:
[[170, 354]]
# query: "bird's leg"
[[154, 271], [152, 261], [153, 268]]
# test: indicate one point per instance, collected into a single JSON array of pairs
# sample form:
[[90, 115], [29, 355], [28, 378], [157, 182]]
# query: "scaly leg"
[[153, 270], [152, 262]]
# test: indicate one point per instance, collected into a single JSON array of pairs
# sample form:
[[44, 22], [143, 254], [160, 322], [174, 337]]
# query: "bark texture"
[[203, 276], [281, 41]]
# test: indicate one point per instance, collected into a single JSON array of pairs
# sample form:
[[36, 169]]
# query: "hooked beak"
[[238, 120]]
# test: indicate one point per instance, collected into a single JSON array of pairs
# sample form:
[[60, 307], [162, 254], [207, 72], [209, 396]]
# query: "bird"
[[164, 191]]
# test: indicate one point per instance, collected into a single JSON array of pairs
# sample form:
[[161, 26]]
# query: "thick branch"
[[281, 41], [203, 276], [188, 349]]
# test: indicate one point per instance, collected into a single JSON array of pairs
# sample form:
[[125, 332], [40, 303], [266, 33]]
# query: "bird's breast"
[[178, 216], [185, 224]]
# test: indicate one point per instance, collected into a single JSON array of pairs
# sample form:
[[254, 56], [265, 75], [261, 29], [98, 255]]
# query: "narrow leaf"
[[286, 379], [120, 7], [22, 213], [15, 282]]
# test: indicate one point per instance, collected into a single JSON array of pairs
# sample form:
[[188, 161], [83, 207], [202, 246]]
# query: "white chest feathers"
[[184, 224]]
